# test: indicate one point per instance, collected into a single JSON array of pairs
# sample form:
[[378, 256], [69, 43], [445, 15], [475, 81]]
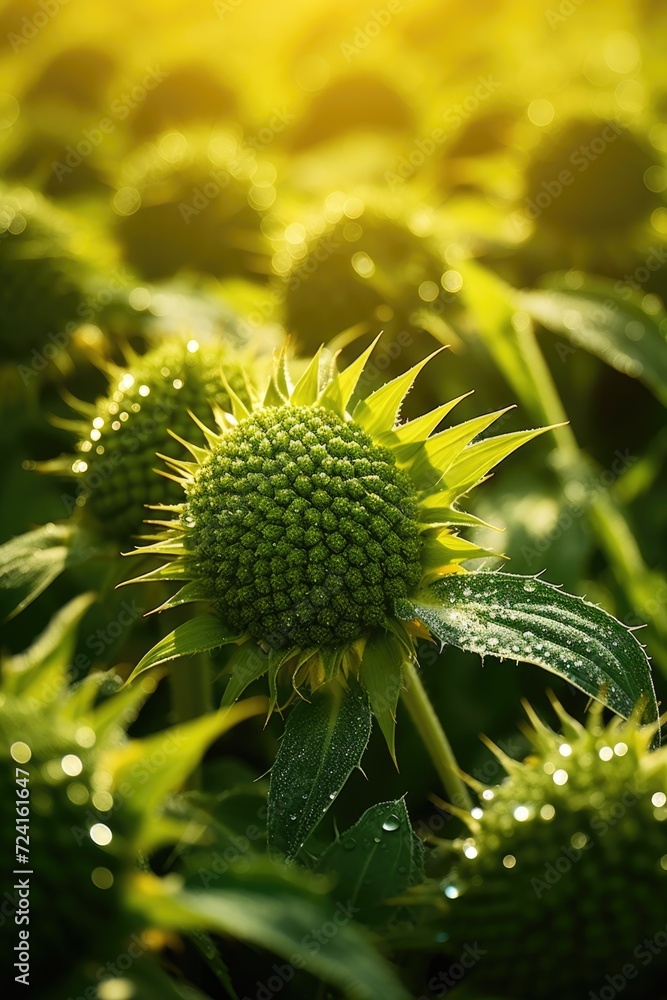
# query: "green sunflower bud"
[[564, 880], [605, 158], [41, 282], [132, 424], [75, 889], [367, 266], [306, 529], [197, 209]]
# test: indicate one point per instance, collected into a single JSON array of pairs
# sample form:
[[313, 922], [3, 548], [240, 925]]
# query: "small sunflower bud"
[[41, 282], [117, 459], [566, 875], [194, 211], [73, 895], [367, 267]]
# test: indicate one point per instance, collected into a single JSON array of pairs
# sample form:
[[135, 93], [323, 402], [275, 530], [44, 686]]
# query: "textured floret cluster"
[[75, 906], [116, 467], [305, 527], [567, 875]]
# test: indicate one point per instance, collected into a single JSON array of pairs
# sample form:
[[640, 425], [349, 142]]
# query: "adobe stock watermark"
[[453, 118], [32, 26], [326, 247], [645, 952], [566, 8], [234, 856], [444, 982], [580, 160], [379, 20], [589, 492], [583, 841], [312, 943], [141, 432], [225, 7], [202, 195], [86, 312], [119, 109]]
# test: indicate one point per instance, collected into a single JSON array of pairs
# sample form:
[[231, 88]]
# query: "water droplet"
[[529, 586], [391, 823], [451, 889], [349, 844]]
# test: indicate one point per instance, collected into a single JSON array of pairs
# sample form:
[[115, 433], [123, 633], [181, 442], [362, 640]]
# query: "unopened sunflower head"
[[144, 412], [563, 879], [310, 524], [194, 202], [53, 743], [365, 261], [81, 804], [42, 282]]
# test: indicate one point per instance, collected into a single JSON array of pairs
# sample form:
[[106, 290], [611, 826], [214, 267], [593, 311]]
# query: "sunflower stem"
[[433, 736], [190, 683]]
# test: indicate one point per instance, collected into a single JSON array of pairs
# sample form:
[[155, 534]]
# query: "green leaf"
[[493, 304], [41, 671], [31, 562], [198, 635], [609, 323], [283, 912], [521, 618], [372, 861], [381, 674], [324, 741], [145, 771]]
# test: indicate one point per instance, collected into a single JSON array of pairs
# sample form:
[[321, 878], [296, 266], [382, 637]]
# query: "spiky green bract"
[[42, 283], [306, 529], [309, 522], [564, 879], [147, 404]]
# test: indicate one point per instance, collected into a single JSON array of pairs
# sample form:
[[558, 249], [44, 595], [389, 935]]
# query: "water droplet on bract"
[[377, 840], [529, 586], [350, 844], [332, 795], [293, 817], [391, 823]]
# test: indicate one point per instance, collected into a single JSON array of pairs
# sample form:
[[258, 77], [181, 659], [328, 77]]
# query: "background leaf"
[[282, 911], [372, 861], [608, 323]]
